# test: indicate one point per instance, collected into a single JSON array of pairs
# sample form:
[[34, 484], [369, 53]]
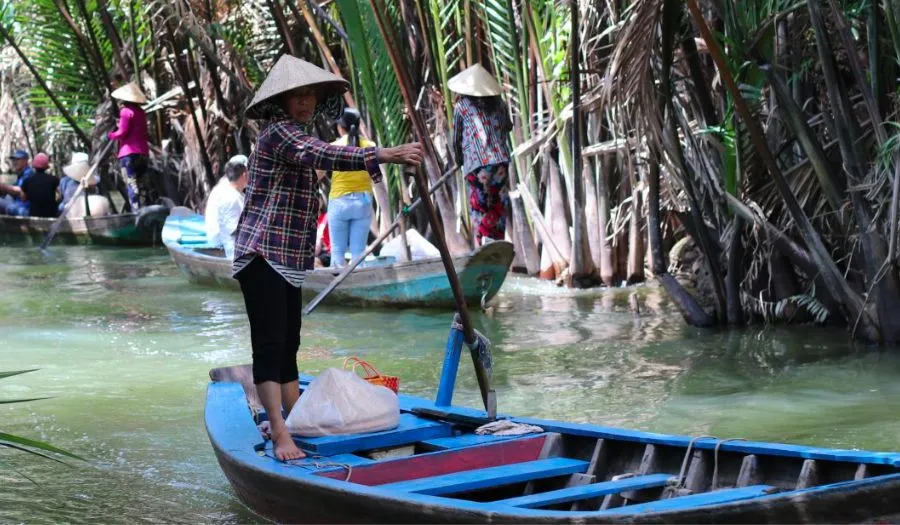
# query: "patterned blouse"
[[281, 203], [482, 135]]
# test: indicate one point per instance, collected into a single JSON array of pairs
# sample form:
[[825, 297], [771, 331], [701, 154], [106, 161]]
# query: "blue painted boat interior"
[[570, 470]]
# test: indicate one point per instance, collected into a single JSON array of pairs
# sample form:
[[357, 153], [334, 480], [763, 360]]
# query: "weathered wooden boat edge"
[[116, 229], [291, 493], [483, 272]]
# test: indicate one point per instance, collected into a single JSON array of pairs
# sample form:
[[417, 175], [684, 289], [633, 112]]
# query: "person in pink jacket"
[[133, 140]]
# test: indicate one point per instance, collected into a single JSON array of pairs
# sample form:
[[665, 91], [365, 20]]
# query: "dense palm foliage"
[[761, 129]]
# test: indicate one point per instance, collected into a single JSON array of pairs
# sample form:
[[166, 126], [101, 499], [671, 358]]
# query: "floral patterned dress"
[[480, 138]]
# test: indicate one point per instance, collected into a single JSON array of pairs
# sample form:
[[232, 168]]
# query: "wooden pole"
[[487, 395]]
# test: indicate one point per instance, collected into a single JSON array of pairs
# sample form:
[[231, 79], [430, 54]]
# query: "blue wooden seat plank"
[[465, 440], [581, 492], [695, 500], [489, 477], [411, 429]]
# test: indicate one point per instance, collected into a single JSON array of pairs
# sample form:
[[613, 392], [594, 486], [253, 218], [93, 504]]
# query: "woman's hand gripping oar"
[[356, 261], [84, 182]]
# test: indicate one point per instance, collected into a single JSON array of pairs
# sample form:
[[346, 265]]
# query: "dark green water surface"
[[124, 344]]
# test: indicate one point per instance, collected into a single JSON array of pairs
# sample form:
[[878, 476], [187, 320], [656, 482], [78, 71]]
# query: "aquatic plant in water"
[[30, 446]]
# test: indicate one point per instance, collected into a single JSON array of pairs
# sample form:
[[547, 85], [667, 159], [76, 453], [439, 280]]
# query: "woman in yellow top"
[[350, 200]]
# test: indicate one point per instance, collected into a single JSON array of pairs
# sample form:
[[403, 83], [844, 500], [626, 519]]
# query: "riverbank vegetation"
[[763, 131]]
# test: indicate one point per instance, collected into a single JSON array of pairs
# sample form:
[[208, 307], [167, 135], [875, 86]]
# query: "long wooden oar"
[[357, 260], [84, 182]]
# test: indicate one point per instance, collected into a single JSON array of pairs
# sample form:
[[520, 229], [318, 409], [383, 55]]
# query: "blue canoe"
[[383, 281], [434, 469]]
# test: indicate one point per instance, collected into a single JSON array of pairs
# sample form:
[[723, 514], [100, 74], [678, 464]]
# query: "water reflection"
[[124, 345]]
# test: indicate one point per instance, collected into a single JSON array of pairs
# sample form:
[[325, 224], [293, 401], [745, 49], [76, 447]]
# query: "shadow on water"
[[124, 345]]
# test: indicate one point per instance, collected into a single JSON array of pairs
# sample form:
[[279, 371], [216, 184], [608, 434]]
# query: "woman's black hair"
[[350, 121]]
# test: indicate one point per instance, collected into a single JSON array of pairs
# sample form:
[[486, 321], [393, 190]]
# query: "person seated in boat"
[[88, 200], [73, 174], [11, 204], [275, 242], [225, 204], [481, 127], [323, 237], [350, 199], [39, 190]]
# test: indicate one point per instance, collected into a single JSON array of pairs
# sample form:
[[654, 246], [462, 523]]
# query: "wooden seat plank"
[[490, 477], [410, 430], [593, 490], [695, 500]]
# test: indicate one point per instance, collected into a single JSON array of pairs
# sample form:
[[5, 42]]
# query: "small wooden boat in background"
[[122, 229], [434, 469], [421, 283]]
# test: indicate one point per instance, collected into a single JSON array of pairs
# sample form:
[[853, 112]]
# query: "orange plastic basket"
[[372, 375]]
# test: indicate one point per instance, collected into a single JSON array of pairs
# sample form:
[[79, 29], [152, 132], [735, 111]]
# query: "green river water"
[[123, 345]]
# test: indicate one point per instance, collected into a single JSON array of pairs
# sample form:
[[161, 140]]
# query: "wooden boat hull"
[[119, 229], [406, 284], [293, 494]]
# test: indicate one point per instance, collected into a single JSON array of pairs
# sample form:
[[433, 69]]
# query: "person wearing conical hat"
[[481, 127], [74, 174], [134, 141], [276, 233]]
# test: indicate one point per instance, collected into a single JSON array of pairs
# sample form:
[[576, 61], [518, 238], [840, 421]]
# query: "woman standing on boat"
[[276, 234], [350, 199], [480, 140], [134, 140]]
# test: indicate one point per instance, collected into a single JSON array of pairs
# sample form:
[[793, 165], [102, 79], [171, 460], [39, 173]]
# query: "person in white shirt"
[[225, 204]]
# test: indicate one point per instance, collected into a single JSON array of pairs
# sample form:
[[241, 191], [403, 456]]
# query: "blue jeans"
[[349, 218]]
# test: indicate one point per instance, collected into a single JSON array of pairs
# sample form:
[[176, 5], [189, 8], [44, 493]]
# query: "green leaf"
[[10, 440], [10, 401], [4, 375]]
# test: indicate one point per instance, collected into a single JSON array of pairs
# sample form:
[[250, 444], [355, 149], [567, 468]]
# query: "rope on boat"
[[716, 461], [678, 484], [314, 465], [687, 457], [481, 345]]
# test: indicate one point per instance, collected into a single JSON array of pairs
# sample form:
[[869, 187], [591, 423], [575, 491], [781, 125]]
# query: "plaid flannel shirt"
[[281, 203], [481, 137]]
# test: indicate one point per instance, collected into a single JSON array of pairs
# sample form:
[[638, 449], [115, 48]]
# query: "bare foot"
[[285, 448]]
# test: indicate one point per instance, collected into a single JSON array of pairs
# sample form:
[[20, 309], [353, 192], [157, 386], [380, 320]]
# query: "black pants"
[[273, 306]]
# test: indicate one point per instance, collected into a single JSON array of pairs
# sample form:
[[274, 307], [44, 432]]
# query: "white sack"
[[98, 203], [419, 248], [341, 402]]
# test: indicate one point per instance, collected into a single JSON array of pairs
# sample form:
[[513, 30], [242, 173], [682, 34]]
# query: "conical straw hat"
[[475, 81], [130, 92], [79, 168], [291, 73]]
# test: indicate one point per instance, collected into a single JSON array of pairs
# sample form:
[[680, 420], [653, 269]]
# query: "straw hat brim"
[[291, 73], [130, 92], [475, 81], [77, 171]]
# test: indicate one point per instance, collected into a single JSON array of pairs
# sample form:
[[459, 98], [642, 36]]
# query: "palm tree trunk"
[[112, 35], [837, 286]]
